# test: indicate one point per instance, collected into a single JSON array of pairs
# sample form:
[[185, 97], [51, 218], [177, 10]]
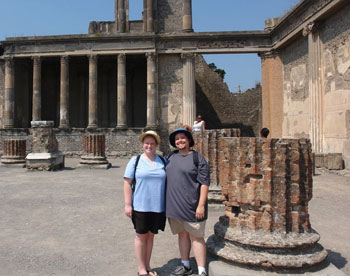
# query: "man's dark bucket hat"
[[179, 130]]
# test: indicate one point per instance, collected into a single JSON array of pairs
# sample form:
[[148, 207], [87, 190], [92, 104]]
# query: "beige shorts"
[[196, 229]]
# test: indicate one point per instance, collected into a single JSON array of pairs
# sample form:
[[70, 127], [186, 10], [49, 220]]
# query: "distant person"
[[199, 124], [264, 132], [144, 196]]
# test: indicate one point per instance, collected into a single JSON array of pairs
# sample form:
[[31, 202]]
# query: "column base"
[[122, 127], [151, 127], [45, 161], [91, 127]]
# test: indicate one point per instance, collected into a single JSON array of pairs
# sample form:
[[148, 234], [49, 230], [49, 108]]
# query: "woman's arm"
[[128, 196], [200, 211]]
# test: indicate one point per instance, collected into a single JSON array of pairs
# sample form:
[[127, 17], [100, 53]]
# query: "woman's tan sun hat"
[[150, 133]]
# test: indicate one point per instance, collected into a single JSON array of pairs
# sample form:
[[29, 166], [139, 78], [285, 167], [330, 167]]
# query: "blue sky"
[[57, 17]]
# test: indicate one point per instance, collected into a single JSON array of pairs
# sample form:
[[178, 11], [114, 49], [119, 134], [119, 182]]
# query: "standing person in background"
[[186, 200], [199, 124], [144, 196]]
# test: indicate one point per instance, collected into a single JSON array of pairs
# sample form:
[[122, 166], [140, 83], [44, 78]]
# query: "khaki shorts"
[[196, 229]]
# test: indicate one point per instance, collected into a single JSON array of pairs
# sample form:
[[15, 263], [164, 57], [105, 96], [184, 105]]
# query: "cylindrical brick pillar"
[[94, 146], [187, 16], [36, 89], [189, 89], [14, 151], [152, 93], [121, 93], [9, 113], [266, 186], [64, 93], [92, 91]]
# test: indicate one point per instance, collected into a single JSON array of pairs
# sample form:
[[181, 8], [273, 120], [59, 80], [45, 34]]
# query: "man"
[[186, 200]]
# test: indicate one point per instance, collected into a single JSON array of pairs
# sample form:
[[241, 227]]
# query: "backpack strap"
[[195, 158], [134, 180], [163, 160]]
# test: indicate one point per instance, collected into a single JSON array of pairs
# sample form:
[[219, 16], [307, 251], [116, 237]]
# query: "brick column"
[[14, 151], [94, 156], [9, 114], [266, 186], [92, 91], [187, 16], [64, 93], [152, 92], [36, 89], [189, 89], [121, 93]]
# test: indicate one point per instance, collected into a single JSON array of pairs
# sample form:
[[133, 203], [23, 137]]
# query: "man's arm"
[[200, 211]]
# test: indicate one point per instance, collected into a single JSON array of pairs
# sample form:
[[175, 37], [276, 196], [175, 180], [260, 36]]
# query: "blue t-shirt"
[[149, 193]]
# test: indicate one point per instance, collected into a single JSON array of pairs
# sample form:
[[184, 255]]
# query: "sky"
[[59, 17]]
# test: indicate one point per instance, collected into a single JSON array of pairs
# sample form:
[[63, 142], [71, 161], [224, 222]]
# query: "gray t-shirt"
[[184, 182]]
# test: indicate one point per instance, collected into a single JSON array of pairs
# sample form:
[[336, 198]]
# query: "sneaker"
[[181, 270], [203, 274]]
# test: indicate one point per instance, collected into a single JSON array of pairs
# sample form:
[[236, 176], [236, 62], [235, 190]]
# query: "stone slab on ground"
[[219, 268]]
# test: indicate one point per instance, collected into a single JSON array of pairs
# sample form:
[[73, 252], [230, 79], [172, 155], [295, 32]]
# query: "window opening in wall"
[[135, 9]]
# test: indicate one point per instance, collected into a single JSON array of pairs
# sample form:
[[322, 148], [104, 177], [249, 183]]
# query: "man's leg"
[[200, 251], [184, 245]]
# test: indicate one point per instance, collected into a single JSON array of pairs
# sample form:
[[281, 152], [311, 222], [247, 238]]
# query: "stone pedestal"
[[266, 186], [45, 154], [94, 156], [14, 152]]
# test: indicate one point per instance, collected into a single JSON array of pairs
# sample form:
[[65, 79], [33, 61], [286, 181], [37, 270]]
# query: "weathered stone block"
[[335, 161]]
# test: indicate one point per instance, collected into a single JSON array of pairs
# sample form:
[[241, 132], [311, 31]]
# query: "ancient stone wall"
[[296, 102], [222, 109], [2, 91], [170, 15], [335, 35], [170, 94]]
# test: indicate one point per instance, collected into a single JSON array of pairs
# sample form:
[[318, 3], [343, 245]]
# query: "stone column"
[[9, 113], [121, 93], [64, 93], [152, 91], [14, 151], [36, 89], [150, 22], [187, 16], [189, 89], [315, 87], [92, 91], [121, 15]]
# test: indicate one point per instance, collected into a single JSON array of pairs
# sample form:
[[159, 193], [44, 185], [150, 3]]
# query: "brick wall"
[[222, 109]]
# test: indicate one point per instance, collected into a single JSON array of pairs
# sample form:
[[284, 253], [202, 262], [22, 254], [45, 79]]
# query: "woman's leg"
[[199, 250], [149, 247], [184, 245], [140, 252]]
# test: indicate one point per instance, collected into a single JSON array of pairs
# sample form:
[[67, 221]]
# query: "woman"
[[199, 124], [186, 200], [144, 196]]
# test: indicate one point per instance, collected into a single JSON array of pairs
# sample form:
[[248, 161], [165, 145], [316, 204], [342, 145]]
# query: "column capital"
[[311, 27], [269, 54], [93, 57], [151, 56], [64, 59], [121, 58], [9, 61], [188, 55]]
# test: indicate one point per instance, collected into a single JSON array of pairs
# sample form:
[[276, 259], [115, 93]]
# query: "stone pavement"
[[71, 222]]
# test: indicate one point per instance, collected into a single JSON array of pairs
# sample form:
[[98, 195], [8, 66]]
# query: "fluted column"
[[189, 89], [64, 93], [150, 25], [152, 92], [315, 87], [92, 91], [121, 93], [9, 93], [187, 16]]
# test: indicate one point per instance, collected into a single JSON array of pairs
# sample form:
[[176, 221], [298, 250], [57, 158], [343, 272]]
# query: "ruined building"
[[125, 76]]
